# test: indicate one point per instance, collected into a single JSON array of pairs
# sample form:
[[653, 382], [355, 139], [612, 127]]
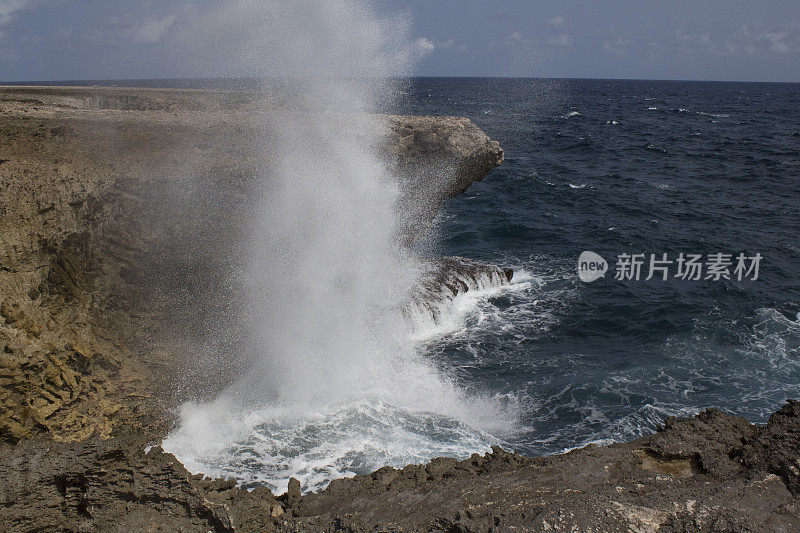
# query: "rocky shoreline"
[[105, 287], [714, 472]]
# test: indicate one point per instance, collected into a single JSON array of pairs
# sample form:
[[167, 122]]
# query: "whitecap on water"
[[342, 441], [456, 315]]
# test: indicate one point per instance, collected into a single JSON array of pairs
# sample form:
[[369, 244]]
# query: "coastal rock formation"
[[106, 282], [427, 148], [445, 279], [106, 285], [670, 481]]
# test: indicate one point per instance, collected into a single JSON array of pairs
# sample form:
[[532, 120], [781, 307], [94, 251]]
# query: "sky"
[[645, 39]]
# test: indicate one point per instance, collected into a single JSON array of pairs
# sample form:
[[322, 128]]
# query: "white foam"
[[776, 339], [451, 314], [350, 439]]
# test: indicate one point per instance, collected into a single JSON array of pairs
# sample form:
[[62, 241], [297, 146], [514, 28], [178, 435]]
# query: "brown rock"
[[776, 447], [101, 264], [11, 311], [293, 492]]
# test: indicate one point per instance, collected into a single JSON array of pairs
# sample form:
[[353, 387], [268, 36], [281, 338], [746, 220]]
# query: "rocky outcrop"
[[105, 281], [438, 158], [776, 448], [714, 472], [446, 278]]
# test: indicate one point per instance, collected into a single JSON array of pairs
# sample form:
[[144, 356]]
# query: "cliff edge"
[[106, 282]]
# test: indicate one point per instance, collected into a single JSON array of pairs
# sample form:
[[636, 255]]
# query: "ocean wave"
[[654, 148], [715, 115], [446, 314], [683, 110], [776, 340], [411, 413], [450, 291], [315, 448]]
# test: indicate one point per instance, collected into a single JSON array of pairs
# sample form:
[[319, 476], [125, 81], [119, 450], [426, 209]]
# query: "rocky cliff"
[[106, 285], [106, 282]]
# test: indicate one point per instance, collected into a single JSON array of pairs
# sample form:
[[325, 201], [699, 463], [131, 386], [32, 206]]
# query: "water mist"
[[338, 387]]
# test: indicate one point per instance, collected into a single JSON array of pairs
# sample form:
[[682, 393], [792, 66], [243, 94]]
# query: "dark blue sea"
[[632, 167]]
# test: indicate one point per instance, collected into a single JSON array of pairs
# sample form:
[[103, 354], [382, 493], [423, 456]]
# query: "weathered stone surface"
[[776, 447], [122, 221], [102, 485], [113, 485], [445, 278], [713, 441], [437, 158]]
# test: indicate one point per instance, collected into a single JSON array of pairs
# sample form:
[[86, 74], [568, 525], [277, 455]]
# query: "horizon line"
[[59, 82]]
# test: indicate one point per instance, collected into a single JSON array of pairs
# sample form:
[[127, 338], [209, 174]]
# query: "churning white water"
[[339, 387]]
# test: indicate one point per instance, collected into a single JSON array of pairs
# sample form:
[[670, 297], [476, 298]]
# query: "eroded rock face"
[[712, 441], [123, 222], [656, 483], [114, 485], [437, 158], [445, 279], [776, 448]]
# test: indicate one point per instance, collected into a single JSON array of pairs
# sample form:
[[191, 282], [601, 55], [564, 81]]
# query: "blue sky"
[[699, 39]]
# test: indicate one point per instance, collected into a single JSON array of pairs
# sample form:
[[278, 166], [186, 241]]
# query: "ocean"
[[626, 167], [608, 166]]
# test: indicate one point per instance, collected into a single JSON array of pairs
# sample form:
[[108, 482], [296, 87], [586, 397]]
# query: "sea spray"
[[338, 388]]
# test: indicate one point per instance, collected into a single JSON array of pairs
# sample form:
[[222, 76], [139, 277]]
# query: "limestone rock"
[[106, 284]]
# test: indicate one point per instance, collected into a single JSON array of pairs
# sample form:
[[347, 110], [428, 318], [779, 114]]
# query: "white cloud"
[[692, 38], [517, 37], [425, 45], [556, 22], [449, 43], [564, 39], [783, 40], [776, 39], [618, 47], [9, 8], [152, 30]]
